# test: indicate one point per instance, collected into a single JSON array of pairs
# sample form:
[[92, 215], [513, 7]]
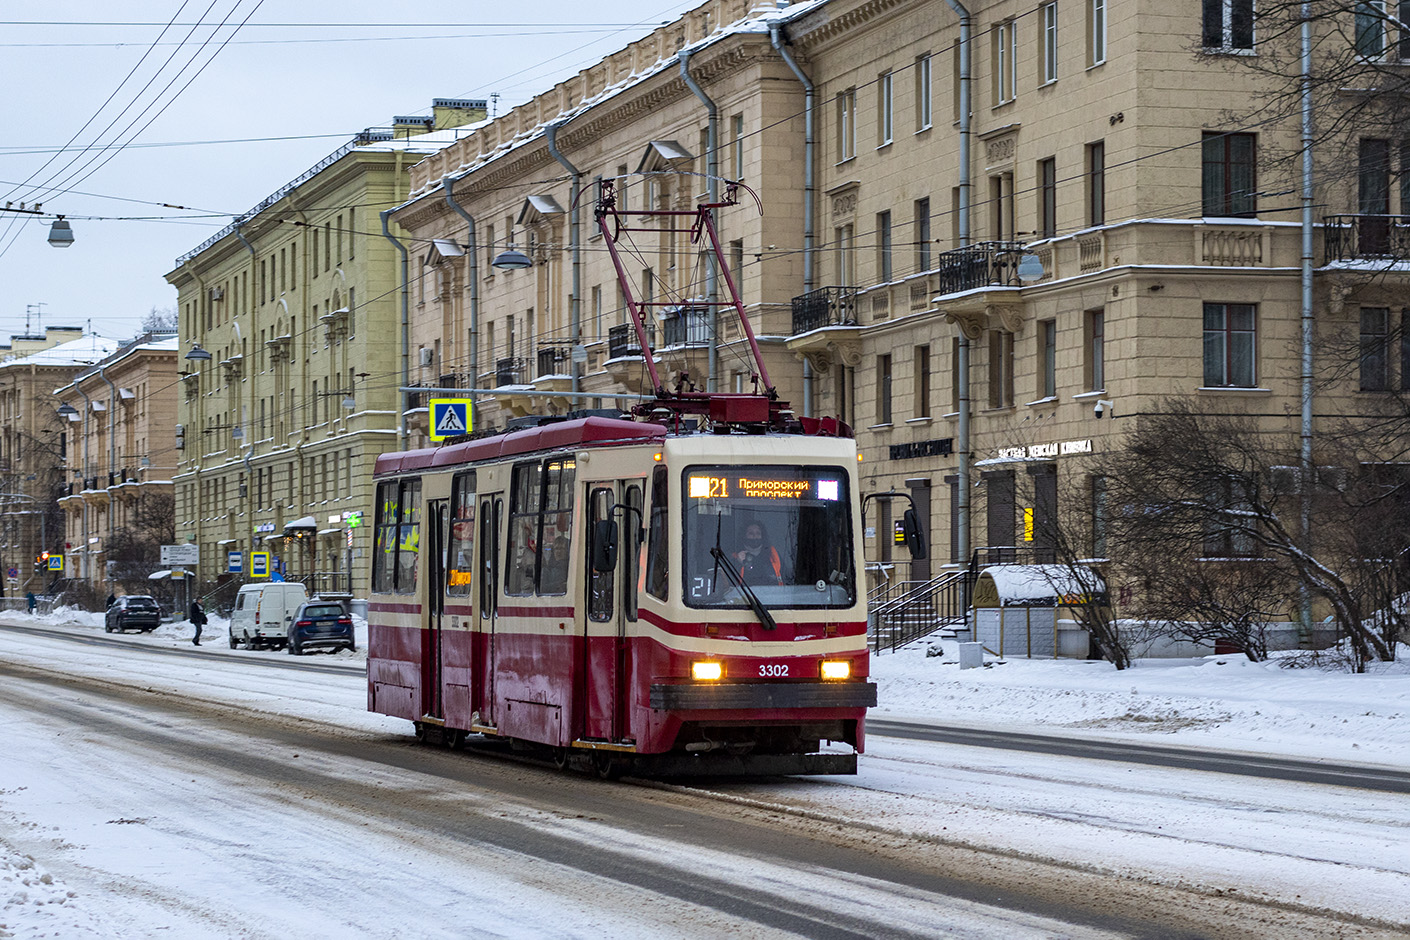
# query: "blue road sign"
[[234, 562], [450, 417], [259, 564]]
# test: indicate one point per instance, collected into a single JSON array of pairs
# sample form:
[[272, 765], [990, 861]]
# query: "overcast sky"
[[311, 86]]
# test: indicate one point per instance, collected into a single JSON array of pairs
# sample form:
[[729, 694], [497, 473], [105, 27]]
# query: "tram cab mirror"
[[914, 535], [604, 545]]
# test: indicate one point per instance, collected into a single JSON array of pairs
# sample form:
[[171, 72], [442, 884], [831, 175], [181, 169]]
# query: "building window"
[[1047, 359], [922, 382], [955, 82], [1101, 513], [1370, 29], [1005, 61], [736, 146], [1227, 534], [922, 230], [923, 102], [1096, 32], [1095, 365], [1373, 197], [1096, 183], [1047, 44], [885, 117], [1228, 25], [846, 259], [954, 374], [1000, 369], [736, 262], [883, 246], [1375, 349], [1405, 350], [846, 125], [1047, 198], [883, 389], [1230, 175], [1001, 207], [1229, 344]]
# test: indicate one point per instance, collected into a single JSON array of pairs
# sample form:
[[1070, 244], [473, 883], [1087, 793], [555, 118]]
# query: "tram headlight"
[[707, 671], [836, 669]]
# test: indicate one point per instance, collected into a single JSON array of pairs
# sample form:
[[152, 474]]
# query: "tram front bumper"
[[733, 696]]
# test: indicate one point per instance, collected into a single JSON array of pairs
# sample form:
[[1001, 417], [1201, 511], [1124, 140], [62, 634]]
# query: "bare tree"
[[1220, 488], [133, 552], [159, 318]]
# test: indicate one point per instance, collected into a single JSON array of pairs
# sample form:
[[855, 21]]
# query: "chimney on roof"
[[404, 126], [457, 112]]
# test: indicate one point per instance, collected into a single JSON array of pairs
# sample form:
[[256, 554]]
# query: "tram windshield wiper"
[[756, 605]]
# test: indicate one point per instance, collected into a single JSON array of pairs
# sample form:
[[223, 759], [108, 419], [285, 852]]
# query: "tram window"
[[600, 583], [785, 530], [397, 539], [657, 575], [633, 542], [540, 528], [487, 547], [460, 556]]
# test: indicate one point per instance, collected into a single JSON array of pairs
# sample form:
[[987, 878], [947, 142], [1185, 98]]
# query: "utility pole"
[[39, 316]]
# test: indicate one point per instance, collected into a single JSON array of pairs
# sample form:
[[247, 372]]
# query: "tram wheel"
[[453, 738], [560, 758], [420, 729], [606, 766]]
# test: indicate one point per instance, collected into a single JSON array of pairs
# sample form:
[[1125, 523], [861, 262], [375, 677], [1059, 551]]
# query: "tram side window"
[[632, 543], [540, 528], [657, 575], [460, 561], [398, 536], [600, 583]]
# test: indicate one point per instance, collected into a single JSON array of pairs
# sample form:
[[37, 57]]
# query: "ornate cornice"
[[839, 24]]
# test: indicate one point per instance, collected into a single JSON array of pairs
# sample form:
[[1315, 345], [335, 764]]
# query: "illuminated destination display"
[[751, 487]]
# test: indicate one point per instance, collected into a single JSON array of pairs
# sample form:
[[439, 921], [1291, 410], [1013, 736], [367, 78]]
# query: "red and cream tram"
[[597, 587]]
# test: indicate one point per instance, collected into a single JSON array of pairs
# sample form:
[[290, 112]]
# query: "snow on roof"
[[78, 352], [759, 19], [1020, 584]]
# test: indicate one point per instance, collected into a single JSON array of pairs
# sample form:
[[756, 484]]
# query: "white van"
[[263, 613]]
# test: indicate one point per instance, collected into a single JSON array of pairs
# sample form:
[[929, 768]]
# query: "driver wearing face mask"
[[758, 561]]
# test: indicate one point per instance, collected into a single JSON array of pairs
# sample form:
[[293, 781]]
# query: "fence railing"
[[826, 306], [622, 340], [551, 360], [1364, 237], [984, 264], [686, 326], [509, 371], [900, 612]]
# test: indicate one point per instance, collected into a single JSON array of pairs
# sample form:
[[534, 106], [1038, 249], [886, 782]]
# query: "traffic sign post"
[[234, 562], [259, 564], [450, 417], [185, 554], [56, 562]]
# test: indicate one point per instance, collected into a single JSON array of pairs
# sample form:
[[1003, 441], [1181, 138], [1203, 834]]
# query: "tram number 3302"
[[773, 670]]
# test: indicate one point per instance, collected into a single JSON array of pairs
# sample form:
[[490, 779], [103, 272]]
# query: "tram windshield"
[[784, 532]]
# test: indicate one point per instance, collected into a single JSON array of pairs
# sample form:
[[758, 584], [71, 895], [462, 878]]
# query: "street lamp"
[[197, 354], [511, 259], [67, 411], [60, 234]]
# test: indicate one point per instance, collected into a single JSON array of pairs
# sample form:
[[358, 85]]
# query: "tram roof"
[[562, 434]]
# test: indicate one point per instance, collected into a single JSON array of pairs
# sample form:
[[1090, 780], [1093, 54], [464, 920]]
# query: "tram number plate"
[[774, 670]]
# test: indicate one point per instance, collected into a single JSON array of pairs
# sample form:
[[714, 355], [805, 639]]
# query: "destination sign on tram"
[[756, 486]]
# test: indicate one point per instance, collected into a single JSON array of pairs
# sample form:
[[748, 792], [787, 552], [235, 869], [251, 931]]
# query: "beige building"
[[1161, 232], [121, 454], [33, 457], [290, 354]]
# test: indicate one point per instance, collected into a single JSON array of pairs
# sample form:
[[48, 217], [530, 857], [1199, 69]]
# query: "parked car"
[[263, 613], [321, 624], [132, 612]]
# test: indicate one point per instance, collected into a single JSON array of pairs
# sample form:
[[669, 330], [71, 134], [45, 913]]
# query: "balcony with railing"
[[686, 326], [984, 264], [511, 370], [622, 340], [552, 360], [1349, 237], [826, 306]]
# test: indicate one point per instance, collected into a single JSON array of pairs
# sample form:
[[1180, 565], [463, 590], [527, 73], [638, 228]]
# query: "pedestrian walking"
[[112, 599], [198, 620], [31, 600]]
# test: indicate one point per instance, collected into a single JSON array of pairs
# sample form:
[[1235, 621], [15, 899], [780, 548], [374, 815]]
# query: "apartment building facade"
[[290, 349], [119, 415], [36, 464]]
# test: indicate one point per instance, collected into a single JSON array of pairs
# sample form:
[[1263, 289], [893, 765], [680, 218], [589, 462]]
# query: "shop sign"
[[943, 447], [1046, 451]]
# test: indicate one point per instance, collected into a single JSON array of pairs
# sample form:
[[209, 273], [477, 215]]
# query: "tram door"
[[491, 513], [611, 603], [432, 651]]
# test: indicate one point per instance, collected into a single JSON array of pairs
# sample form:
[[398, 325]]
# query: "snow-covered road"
[[154, 811]]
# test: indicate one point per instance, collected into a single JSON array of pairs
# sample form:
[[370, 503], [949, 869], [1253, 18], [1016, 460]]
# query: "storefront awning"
[[306, 522]]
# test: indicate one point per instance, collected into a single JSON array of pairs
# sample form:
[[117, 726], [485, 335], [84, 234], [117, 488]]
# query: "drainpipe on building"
[[962, 430], [712, 169], [241, 235], [1304, 510], [809, 188], [83, 474], [405, 329], [112, 450], [449, 186], [575, 322]]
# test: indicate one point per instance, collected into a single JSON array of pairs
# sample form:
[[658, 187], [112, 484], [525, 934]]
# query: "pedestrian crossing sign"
[[450, 417]]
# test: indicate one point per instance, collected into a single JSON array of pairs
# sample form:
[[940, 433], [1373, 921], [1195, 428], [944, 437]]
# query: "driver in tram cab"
[[757, 560]]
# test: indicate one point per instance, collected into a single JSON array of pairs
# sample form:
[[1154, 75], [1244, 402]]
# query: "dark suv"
[[133, 612], [320, 624]]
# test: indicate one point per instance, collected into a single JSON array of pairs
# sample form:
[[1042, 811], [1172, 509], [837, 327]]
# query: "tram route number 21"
[[773, 670]]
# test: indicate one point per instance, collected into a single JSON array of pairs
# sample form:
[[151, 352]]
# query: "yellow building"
[[120, 453], [289, 348]]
